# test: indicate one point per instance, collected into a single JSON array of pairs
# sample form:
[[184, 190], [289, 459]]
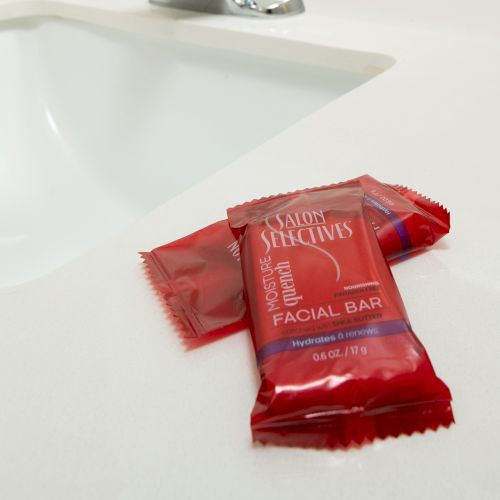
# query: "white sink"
[[99, 126]]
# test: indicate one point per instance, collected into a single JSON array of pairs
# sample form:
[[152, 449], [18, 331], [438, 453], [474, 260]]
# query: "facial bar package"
[[337, 356], [199, 278]]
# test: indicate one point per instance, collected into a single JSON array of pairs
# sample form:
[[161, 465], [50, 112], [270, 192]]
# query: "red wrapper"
[[199, 277], [338, 359]]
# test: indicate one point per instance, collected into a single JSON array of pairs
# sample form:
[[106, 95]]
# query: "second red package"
[[199, 278]]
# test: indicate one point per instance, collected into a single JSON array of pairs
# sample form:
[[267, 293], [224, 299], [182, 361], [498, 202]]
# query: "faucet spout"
[[279, 7], [258, 8]]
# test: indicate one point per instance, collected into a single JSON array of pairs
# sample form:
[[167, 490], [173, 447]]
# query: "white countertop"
[[99, 397]]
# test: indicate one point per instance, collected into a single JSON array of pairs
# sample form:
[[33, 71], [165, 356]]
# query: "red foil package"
[[199, 277], [338, 359]]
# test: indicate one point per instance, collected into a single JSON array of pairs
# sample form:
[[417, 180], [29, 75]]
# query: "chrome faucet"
[[261, 8]]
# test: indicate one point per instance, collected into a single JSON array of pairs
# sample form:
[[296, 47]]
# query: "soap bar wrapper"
[[199, 278], [338, 360]]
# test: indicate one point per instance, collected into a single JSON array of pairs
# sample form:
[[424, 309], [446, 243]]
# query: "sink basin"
[[100, 126]]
